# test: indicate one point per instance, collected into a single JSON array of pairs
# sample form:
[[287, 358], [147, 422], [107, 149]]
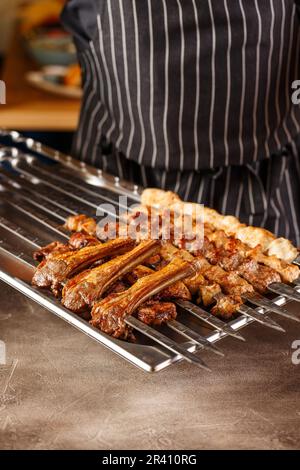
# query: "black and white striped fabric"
[[194, 96]]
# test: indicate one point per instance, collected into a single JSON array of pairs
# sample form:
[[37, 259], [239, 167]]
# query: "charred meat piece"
[[117, 288], [178, 290], [235, 247], [288, 272], [209, 287], [108, 314], [45, 251], [77, 240], [81, 223], [259, 276], [156, 313], [231, 283], [228, 257], [83, 290], [80, 240], [226, 306], [58, 267], [208, 293]]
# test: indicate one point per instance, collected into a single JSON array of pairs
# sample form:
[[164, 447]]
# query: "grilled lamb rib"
[[58, 267], [53, 247], [83, 290], [76, 241], [108, 314], [178, 290]]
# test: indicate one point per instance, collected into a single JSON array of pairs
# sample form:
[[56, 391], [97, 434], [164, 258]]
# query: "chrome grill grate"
[[37, 193]]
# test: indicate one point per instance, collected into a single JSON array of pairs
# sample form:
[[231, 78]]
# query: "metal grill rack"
[[39, 188]]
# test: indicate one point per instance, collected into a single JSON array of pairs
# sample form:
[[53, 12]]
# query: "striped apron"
[[194, 96]]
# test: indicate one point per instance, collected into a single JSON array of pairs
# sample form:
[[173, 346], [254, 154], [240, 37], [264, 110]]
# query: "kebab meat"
[[121, 277], [251, 236], [59, 266], [109, 314], [82, 290]]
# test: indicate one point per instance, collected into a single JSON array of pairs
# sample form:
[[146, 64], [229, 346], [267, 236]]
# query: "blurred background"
[[39, 67]]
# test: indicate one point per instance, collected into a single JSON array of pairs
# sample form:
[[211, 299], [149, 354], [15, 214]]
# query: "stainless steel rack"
[[39, 188]]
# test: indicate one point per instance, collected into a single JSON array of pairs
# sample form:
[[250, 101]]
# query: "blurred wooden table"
[[28, 108]]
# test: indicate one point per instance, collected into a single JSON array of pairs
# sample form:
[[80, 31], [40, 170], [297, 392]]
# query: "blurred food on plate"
[[59, 80], [44, 38]]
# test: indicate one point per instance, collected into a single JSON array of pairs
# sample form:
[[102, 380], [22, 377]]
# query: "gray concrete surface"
[[61, 390]]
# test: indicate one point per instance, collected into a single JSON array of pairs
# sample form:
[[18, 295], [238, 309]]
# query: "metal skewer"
[[260, 318], [286, 291], [194, 336], [166, 342], [208, 318], [297, 260], [267, 304]]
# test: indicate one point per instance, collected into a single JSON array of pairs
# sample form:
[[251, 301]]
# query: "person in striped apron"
[[195, 96]]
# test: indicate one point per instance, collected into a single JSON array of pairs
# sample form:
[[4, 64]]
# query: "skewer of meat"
[[109, 314], [236, 288], [252, 236], [84, 289], [215, 289], [58, 267], [288, 272], [211, 288]]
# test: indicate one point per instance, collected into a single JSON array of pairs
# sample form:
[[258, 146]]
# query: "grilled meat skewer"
[[81, 223], [208, 291], [288, 272], [108, 314], [81, 240], [230, 253], [58, 267], [42, 253], [76, 241], [81, 291], [231, 260], [252, 236], [208, 288], [178, 290]]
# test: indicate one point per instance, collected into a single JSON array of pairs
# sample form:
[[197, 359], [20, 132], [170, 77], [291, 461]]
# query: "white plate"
[[39, 80]]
